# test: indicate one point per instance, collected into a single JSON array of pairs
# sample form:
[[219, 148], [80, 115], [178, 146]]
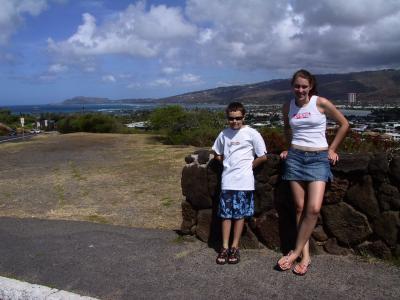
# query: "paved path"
[[111, 262]]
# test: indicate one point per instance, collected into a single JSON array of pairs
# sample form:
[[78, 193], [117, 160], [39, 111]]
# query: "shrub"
[[197, 127], [98, 123]]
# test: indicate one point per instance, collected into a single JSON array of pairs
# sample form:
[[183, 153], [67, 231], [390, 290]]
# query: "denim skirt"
[[307, 166]]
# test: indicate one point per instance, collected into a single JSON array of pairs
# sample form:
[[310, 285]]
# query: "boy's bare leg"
[[237, 232], [226, 231]]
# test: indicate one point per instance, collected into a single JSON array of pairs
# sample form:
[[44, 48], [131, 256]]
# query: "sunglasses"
[[235, 118]]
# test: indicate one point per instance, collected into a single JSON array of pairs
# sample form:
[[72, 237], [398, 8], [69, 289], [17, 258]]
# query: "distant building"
[[352, 98]]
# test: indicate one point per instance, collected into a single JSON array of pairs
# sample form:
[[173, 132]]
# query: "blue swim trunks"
[[236, 204]]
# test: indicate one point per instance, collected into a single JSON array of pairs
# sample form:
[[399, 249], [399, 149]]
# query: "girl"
[[307, 161]]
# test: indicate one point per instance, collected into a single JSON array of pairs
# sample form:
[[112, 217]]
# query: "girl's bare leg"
[[299, 190], [315, 196], [309, 216]]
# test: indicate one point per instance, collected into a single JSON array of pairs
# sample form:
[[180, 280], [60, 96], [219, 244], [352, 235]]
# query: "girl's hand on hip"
[[283, 154], [333, 157]]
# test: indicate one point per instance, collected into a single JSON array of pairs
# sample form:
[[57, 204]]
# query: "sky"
[[52, 50]]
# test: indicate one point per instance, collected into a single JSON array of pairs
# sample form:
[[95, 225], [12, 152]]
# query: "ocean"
[[127, 108], [104, 108]]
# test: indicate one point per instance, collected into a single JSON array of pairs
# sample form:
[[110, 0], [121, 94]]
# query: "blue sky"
[[52, 50]]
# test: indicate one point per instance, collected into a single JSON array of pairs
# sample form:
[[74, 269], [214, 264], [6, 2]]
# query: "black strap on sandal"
[[234, 256], [222, 257]]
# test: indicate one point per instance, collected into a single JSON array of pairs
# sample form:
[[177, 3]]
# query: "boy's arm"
[[218, 157], [259, 160]]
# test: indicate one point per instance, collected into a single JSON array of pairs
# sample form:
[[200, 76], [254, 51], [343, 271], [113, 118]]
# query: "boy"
[[236, 146]]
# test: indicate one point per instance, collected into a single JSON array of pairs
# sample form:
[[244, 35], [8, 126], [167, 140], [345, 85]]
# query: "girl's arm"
[[332, 112], [286, 128]]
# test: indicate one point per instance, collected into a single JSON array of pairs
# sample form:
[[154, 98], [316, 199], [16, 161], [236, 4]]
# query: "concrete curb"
[[11, 289]]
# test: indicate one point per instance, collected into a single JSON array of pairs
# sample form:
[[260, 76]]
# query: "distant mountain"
[[96, 100], [372, 87], [86, 100]]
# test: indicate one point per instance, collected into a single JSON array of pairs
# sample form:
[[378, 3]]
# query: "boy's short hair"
[[235, 106]]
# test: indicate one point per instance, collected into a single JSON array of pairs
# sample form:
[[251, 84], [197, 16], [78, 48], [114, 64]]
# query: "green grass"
[[167, 202], [97, 219], [75, 172], [60, 194]]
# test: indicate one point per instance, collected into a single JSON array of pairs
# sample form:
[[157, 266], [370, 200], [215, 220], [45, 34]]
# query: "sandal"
[[283, 263], [301, 269], [222, 257], [234, 256]]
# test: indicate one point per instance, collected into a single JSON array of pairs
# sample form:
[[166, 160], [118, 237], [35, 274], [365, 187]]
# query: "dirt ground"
[[131, 180]]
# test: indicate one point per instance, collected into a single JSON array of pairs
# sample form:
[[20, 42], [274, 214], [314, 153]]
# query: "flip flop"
[[301, 269], [283, 263]]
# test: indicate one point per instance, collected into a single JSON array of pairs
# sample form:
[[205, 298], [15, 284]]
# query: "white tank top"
[[308, 124]]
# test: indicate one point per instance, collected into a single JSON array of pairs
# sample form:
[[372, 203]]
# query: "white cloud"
[[134, 85], [108, 78], [169, 70], [57, 68], [275, 35], [12, 15], [189, 78], [134, 31], [161, 82], [279, 35]]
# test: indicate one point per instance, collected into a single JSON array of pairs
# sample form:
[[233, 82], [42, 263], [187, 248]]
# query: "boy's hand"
[[283, 154]]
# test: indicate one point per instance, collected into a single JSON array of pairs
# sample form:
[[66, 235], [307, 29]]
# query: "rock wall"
[[360, 212]]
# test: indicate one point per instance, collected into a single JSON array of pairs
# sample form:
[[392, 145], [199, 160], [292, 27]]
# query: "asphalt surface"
[[111, 262], [16, 138]]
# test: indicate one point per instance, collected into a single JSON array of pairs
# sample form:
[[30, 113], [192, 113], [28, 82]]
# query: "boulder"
[[336, 190], [283, 196], [266, 228], [214, 171], [273, 180], [332, 247], [189, 159], [394, 169], [375, 249], [287, 216], [389, 198], [263, 197], [352, 163], [194, 184], [204, 222], [349, 226], [387, 227], [319, 234], [379, 167], [248, 239], [316, 248], [362, 196], [203, 156], [273, 164], [189, 217]]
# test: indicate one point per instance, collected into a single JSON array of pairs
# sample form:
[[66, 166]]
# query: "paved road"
[[16, 138], [111, 262]]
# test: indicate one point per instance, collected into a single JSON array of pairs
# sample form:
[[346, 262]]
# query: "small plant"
[[97, 219], [167, 202]]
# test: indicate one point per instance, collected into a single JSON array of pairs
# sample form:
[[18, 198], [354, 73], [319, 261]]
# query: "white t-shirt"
[[238, 148]]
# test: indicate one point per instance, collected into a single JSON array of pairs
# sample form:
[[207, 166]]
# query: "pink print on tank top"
[[304, 115]]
